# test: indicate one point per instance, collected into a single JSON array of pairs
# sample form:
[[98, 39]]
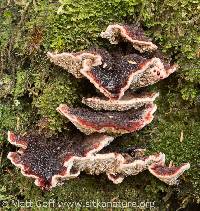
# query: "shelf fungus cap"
[[127, 102], [154, 73], [90, 121], [133, 166], [17, 140], [117, 166], [115, 75], [73, 62], [132, 34], [167, 174], [49, 160]]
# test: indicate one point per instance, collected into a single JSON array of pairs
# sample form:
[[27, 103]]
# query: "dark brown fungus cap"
[[49, 160], [128, 101], [167, 174], [89, 121], [57, 158], [133, 34], [115, 75]]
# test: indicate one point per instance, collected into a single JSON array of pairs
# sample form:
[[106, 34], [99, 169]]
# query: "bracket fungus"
[[89, 121], [73, 61], [128, 101], [113, 75], [169, 174], [133, 34], [50, 160], [117, 166]]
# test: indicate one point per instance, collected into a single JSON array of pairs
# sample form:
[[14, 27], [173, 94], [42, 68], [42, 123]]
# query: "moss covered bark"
[[31, 88]]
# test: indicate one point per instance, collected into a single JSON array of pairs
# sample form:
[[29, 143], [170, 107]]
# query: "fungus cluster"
[[120, 108]]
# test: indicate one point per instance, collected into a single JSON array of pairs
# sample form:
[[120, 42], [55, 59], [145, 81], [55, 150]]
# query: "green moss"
[[14, 116], [6, 84], [32, 88], [59, 89], [83, 21], [176, 133], [21, 84], [8, 119], [174, 25], [6, 22]]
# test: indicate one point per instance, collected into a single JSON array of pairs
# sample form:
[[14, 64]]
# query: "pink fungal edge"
[[168, 174], [125, 33], [15, 140], [128, 168], [86, 72], [15, 159], [150, 108]]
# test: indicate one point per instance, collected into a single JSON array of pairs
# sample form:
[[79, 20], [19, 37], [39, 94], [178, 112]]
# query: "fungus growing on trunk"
[[116, 74], [52, 160], [112, 75], [73, 62], [167, 174], [49, 159], [133, 34], [89, 121], [117, 166], [128, 101]]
